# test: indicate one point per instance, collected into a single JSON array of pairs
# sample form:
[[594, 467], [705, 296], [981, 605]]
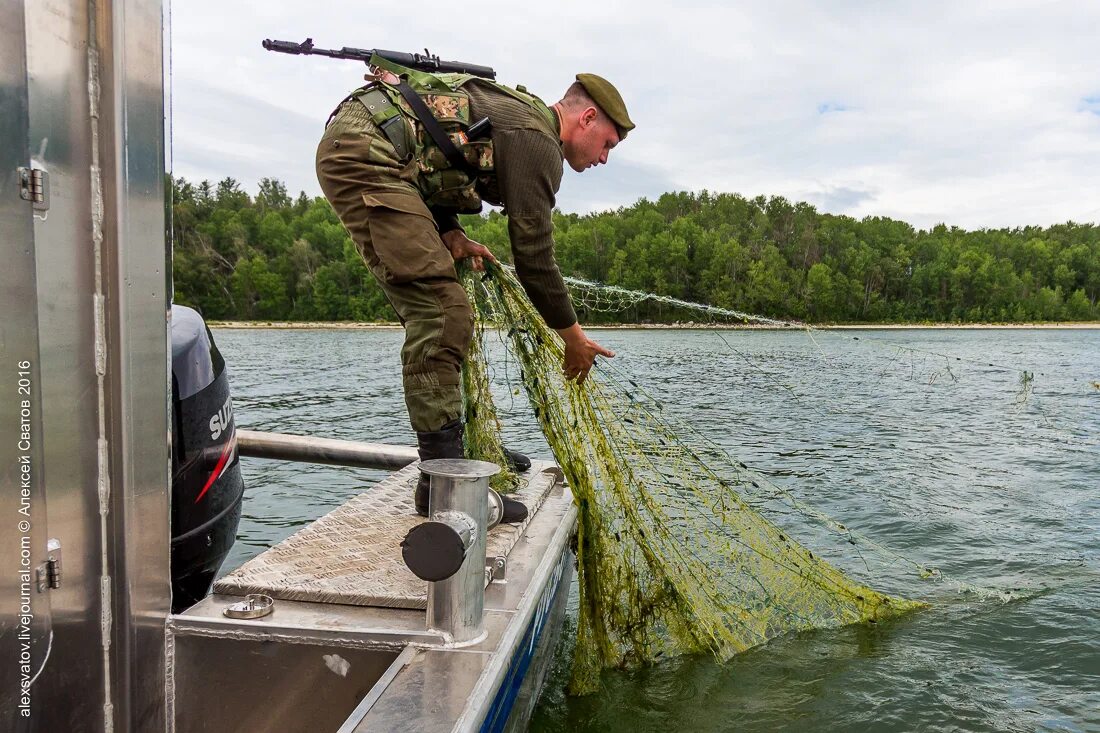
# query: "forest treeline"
[[274, 257]]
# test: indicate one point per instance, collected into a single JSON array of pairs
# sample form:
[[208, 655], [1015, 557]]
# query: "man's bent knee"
[[458, 320]]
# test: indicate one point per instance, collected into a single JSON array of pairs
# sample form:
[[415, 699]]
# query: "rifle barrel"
[[424, 62]]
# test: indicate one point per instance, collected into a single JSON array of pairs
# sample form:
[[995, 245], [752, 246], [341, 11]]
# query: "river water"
[[931, 442]]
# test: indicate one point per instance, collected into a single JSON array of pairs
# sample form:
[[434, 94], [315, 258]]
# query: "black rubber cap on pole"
[[433, 551]]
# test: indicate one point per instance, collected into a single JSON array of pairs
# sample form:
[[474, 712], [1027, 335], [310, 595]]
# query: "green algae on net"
[[674, 551]]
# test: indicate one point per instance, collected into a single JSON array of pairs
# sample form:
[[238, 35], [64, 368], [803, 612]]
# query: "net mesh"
[[601, 298], [680, 547]]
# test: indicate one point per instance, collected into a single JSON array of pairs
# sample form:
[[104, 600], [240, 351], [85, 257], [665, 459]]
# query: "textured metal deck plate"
[[352, 555]]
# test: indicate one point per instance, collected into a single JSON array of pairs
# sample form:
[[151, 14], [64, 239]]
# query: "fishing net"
[[680, 547], [482, 434], [603, 298]]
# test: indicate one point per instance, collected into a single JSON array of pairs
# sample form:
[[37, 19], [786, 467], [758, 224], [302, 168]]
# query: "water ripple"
[[952, 470]]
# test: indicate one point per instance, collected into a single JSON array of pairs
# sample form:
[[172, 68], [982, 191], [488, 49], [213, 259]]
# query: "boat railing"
[[330, 451]]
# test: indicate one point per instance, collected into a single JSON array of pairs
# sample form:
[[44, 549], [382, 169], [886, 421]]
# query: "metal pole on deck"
[[449, 549]]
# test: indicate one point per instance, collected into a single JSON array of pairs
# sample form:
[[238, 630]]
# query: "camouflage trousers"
[[374, 195]]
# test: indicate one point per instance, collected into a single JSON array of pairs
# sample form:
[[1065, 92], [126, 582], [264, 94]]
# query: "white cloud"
[[977, 114]]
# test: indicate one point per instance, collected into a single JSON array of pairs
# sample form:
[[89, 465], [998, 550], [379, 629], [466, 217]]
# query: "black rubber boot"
[[443, 443], [447, 443], [514, 511], [517, 461]]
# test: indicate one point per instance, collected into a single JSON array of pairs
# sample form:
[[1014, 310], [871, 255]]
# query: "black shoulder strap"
[[458, 160]]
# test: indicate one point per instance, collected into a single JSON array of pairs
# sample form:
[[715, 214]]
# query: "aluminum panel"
[[96, 124], [24, 611], [241, 685], [57, 63], [135, 280]]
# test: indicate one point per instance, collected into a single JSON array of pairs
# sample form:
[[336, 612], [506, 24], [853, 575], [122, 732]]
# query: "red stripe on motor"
[[223, 459]]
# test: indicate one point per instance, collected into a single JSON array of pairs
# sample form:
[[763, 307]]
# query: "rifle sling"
[[457, 159]]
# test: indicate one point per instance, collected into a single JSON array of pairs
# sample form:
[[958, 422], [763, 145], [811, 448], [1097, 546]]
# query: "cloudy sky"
[[980, 114]]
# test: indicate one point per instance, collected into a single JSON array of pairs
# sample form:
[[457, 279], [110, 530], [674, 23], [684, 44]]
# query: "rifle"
[[424, 62]]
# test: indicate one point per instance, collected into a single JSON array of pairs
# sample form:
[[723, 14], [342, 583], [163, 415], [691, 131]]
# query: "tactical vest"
[[446, 180]]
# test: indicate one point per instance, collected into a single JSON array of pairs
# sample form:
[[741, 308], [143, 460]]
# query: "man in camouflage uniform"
[[376, 188]]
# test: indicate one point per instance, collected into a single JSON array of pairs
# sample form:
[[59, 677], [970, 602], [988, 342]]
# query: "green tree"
[[280, 257], [258, 292], [819, 291]]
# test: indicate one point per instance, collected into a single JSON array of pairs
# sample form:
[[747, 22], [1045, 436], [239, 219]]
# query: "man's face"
[[595, 137]]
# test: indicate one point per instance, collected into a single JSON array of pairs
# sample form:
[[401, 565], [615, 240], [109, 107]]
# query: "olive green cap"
[[608, 98]]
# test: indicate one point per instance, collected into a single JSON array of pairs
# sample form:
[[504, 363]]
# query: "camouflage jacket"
[[442, 184], [520, 167]]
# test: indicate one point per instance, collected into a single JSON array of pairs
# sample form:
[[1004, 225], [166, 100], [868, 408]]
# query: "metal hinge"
[[496, 568], [34, 186], [48, 574]]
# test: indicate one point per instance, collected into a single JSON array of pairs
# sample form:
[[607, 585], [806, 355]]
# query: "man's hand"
[[580, 352], [386, 77], [462, 247]]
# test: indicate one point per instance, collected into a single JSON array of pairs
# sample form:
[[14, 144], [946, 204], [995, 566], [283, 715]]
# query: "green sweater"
[[527, 158]]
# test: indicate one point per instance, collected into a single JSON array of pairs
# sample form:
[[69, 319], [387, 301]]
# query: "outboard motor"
[[207, 488]]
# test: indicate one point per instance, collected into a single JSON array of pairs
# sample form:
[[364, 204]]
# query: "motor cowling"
[[207, 488]]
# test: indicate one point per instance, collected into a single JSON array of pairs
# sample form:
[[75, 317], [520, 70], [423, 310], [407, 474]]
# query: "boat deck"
[[347, 647], [352, 555]]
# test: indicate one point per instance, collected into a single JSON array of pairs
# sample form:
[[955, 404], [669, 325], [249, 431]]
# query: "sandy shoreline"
[[353, 326], [307, 325]]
